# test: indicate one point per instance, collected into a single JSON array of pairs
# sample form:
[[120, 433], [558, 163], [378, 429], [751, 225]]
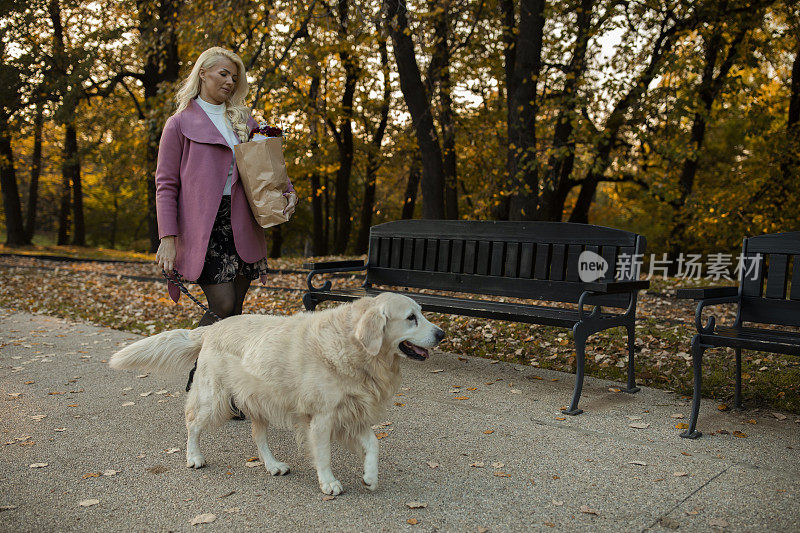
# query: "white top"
[[216, 112]]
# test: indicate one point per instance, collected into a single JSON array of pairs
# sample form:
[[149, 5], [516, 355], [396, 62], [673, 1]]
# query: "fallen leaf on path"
[[436, 371], [381, 435], [559, 503], [588, 510], [91, 474], [633, 417], [739, 434], [614, 389], [477, 464], [779, 416], [488, 432], [253, 464], [8, 507], [461, 398], [38, 417], [38, 465], [676, 415], [205, 518], [722, 407], [328, 498], [416, 505], [110, 472], [172, 450], [128, 404], [88, 503], [639, 425], [640, 463], [718, 522], [498, 465], [432, 464], [413, 521], [679, 474], [60, 429], [560, 418], [501, 474], [681, 425]]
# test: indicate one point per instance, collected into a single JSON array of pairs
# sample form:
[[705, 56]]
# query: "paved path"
[[63, 406]]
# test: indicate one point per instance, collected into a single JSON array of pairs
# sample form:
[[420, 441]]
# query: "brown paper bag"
[[262, 172]]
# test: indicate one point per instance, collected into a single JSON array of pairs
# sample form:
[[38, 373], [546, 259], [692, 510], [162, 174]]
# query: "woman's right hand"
[[166, 253]]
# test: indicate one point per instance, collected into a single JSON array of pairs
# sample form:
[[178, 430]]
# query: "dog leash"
[[177, 281]]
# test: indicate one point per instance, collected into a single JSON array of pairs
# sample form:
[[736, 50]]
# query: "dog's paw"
[[195, 460], [371, 481], [277, 468], [334, 488]]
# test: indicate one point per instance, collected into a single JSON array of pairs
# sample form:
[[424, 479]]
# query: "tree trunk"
[[276, 242], [412, 186], [320, 241], [341, 210], [708, 91], [557, 183], [439, 81], [72, 163], [373, 158], [418, 102], [15, 233], [523, 171], [36, 170], [606, 139], [501, 209], [63, 211], [158, 23], [791, 162]]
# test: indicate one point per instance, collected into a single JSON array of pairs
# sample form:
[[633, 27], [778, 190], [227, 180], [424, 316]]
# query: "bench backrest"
[[536, 260], [770, 291]]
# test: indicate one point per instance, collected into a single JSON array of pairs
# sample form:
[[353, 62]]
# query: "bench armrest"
[[340, 266], [330, 267], [617, 287], [706, 293]]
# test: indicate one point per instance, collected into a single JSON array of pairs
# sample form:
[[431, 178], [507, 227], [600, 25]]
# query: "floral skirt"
[[222, 263]]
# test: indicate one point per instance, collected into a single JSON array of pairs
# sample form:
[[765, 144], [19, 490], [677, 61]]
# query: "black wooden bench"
[[527, 260], [761, 299]]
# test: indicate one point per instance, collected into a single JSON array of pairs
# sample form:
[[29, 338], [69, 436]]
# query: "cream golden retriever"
[[329, 374]]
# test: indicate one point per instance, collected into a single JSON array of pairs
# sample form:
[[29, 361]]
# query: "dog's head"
[[395, 322]]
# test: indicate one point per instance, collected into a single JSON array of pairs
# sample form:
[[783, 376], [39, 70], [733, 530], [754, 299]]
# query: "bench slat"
[[557, 262], [457, 256], [497, 262], [489, 230], [764, 311], [609, 253], [432, 246], [753, 282], [512, 260], [408, 253], [542, 261], [529, 314], [419, 254], [573, 253], [795, 290], [482, 259], [557, 291], [470, 247], [395, 253], [444, 255], [777, 276]]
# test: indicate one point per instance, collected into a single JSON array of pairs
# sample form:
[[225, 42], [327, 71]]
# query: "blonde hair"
[[235, 108]]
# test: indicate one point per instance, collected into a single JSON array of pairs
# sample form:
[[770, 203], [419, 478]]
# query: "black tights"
[[225, 299]]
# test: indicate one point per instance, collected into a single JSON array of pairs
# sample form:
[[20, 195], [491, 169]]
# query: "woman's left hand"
[[292, 199]]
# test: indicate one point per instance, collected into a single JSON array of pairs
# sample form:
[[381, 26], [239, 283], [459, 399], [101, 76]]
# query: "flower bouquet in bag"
[[262, 172]]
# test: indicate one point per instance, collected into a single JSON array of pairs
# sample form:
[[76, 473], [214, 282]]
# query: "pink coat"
[[193, 163]]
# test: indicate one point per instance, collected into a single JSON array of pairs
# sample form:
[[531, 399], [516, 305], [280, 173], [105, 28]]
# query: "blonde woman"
[[207, 231]]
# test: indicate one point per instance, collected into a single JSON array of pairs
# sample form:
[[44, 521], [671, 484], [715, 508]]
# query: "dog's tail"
[[171, 352]]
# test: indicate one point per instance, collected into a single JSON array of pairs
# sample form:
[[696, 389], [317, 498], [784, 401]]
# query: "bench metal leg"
[[580, 357], [697, 362], [632, 388], [309, 302], [738, 397]]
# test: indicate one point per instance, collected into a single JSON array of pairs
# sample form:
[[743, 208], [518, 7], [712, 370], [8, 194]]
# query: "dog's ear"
[[370, 328]]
